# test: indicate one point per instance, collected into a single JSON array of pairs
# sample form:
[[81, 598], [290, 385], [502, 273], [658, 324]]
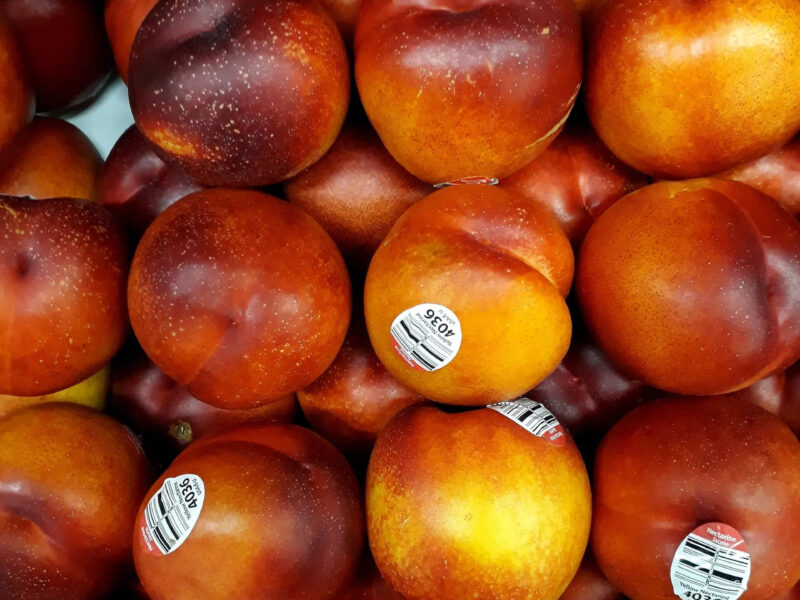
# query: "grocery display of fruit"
[[400, 300]]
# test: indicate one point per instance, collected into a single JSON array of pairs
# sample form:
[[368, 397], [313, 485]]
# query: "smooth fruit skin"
[[588, 394], [674, 92], [777, 174], [123, 19], [15, 89], [136, 185], [472, 505], [502, 265], [63, 269], [64, 48], [692, 286], [238, 296], [590, 583], [577, 178], [368, 584], [677, 463], [779, 394], [459, 88], [166, 413], [354, 399], [239, 92], [71, 482], [90, 392], [282, 520], [356, 192], [50, 158]]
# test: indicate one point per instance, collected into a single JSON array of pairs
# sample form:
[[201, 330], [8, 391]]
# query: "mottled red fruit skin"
[[157, 407], [123, 19], [137, 186], [368, 584], [779, 394], [671, 89], [15, 90], [777, 174], [590, 583], [692, 286], [677, 463], [587, 394], [71, 481], [282, 520], [64, 47], [356, 192], [457, 88], [240, 92], [50, 158], [63, 267], [239, 296], [354, 399], [577, 178]]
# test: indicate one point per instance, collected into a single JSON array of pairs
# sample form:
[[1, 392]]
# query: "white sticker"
[[534, 417], [172, 513], [711, 563], [427, 336]]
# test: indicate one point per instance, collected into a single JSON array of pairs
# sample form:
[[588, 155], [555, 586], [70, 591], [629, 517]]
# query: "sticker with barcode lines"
[[711, 563], [172, 513], [534, 417], [426, 336]]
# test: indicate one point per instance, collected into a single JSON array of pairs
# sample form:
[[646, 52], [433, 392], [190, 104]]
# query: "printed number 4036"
[[697, 596], [188, 493], [438, 324]]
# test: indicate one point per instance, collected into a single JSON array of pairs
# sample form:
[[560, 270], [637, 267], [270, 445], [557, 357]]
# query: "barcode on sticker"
[[534, 417], [172, 512], [427, 336], [711, 562]]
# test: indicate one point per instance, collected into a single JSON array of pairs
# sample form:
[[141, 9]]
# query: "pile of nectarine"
[[400, 299]]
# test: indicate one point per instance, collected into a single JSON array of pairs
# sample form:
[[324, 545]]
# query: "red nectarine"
[[239, 296], [692, 286], [63, 268]]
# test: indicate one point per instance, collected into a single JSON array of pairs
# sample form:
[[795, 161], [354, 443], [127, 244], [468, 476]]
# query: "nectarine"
[[239, 92], [459, 88], [692, 286], [50, 158], [123, 19], [63, 268], [165, 414], [269, 512], [136, 185], [15, 90], [239, 296], [64, 48], [577, 178], [353, 400], [698, 497], [777, 174], [687, 89], [71, 481], [477, 504], [356, 192], [464, 300]]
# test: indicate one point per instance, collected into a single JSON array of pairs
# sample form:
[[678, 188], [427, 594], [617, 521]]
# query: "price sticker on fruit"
[[171, 513], [711, 563], [426, 336]]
